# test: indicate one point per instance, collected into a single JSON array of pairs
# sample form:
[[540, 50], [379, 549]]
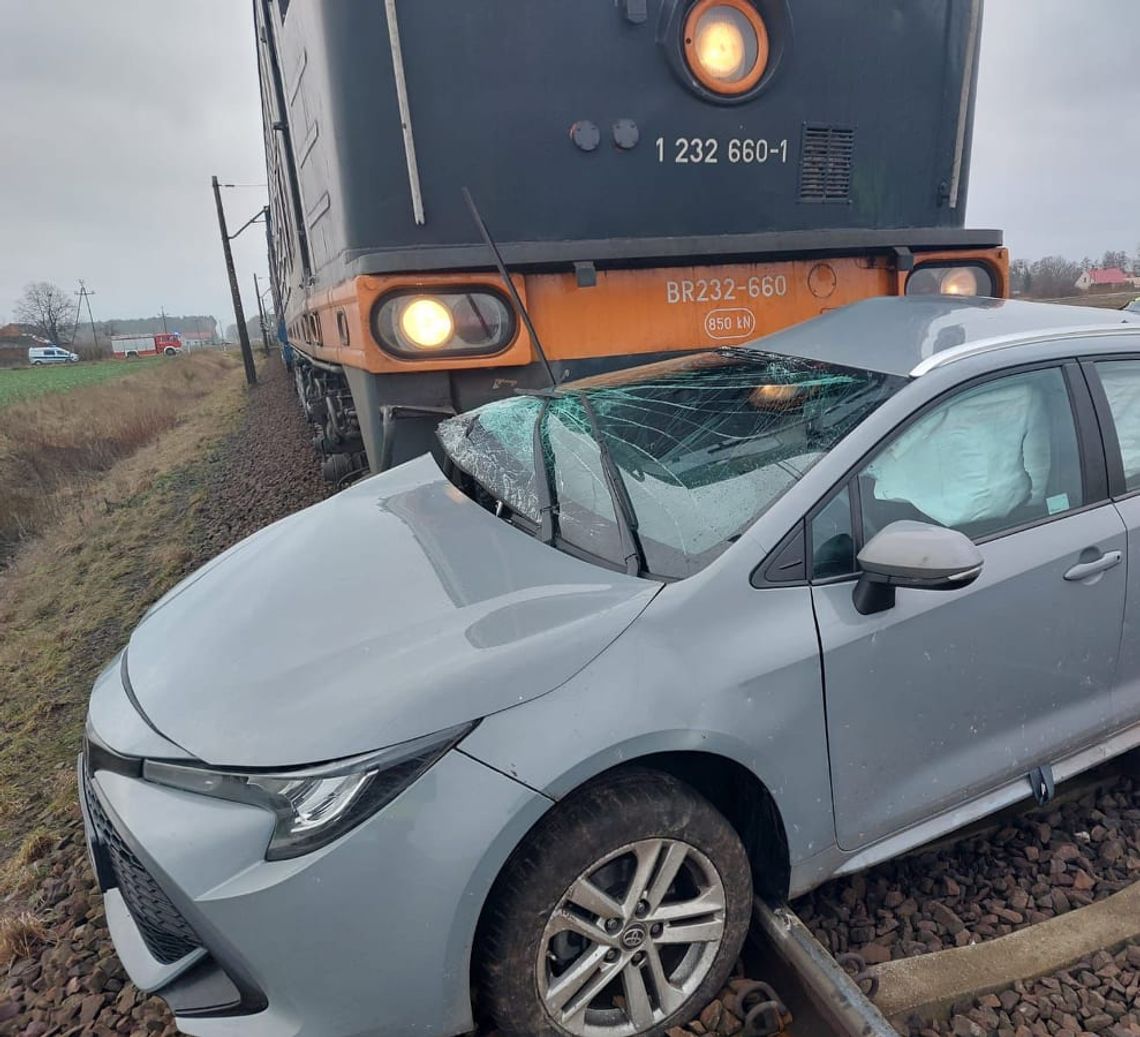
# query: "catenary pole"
[[239, 313], [261, 315]]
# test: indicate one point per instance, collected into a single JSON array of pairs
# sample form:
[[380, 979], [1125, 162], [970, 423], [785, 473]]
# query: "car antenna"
[[515, 297]]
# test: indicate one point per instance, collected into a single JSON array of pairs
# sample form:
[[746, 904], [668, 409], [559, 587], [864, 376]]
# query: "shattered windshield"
[[703, 445]]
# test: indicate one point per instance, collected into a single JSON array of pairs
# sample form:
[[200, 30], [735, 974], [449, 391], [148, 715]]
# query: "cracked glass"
[[703, 446]]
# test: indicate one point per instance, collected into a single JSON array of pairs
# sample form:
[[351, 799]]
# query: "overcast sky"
[[114, 114]]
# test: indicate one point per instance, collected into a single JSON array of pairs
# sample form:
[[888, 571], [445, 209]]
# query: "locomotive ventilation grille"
[[825, 164], [165, 932]]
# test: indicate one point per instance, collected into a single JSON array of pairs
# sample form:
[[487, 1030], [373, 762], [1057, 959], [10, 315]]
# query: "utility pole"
[[239, 313], [261, 311], [165, 329], [85, 296]]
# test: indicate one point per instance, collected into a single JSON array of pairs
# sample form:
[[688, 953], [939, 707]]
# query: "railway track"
[[1071, 973], [815, 995]]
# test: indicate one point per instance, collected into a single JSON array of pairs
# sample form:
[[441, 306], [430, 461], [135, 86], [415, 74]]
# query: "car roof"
[[911, 335]]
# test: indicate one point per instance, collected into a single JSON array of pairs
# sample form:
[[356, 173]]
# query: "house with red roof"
[[1109, 277]]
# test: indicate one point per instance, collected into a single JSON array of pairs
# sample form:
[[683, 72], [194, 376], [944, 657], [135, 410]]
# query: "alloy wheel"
[[631, 939]]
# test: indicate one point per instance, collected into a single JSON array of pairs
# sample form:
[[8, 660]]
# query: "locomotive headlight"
[[726, 45], [963, 281], [956, 279], [427, 323], [452, 322]]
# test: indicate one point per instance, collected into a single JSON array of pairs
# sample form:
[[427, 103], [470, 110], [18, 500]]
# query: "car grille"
[[165, 932]]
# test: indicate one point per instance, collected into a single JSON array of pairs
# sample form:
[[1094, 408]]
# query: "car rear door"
[[950, 694], [1115, 385]]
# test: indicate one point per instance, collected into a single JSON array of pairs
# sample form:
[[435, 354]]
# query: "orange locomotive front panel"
[[624, 315]]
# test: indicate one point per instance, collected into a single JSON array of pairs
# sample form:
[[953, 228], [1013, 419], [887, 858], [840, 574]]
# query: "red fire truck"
[[131, 347]]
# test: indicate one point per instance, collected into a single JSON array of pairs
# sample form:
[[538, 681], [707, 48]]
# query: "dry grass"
[[69, 599], [34, 847], [21, 872], [21, 936], [52, 447]]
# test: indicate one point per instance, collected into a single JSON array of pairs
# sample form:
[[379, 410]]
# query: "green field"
[[25, 383]]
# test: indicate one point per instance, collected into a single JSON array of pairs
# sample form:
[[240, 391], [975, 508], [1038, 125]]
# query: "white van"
[[51, 355]]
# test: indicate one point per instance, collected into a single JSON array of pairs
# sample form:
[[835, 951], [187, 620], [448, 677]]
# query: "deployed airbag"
[[978, 457]]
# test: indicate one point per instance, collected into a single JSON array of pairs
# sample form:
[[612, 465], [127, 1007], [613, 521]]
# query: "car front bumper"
[[371, 935]]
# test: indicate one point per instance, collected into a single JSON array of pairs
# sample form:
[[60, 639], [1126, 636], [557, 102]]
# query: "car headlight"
[[951, 279], [449, 323], [726, 45], [315, 805]]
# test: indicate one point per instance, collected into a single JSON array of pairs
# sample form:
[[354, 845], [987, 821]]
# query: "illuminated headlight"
[[316, 805], [726, 45], [444, 324], [958, 279]]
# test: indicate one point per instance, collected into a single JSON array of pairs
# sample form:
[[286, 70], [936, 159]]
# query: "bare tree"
[[1054, 277], [48, 309], [1020, 277], [1114, 259]]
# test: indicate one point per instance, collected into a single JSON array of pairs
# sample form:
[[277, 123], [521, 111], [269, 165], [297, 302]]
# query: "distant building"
[[198, 339], [10, 332], [15, 339], [1110, 277]]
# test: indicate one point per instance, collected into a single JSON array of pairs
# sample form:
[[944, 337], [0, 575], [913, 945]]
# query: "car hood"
[[393, 610]]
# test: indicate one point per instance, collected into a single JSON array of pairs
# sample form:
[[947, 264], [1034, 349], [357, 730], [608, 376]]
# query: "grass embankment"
[[1101, 300], [51, 447], [26, 383], [119, 538]]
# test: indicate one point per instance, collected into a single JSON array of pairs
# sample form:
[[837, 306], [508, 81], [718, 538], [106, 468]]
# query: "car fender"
[[652, 691]]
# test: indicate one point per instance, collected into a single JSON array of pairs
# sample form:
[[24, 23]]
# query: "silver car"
[[516, 731]]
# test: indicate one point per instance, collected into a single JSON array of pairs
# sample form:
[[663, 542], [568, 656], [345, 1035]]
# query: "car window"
[[832, 539], [1121, 381], [989, 459]]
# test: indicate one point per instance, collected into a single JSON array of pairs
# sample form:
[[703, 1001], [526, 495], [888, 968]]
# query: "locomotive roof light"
[[726, 45]]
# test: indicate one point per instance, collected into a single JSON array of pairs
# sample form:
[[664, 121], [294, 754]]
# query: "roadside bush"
[[52, 446]]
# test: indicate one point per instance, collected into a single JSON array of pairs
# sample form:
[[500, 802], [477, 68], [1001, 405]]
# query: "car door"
[[951, 693], [1115, 385]]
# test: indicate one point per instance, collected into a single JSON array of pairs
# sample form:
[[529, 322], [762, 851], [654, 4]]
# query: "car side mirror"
[[913, 554]]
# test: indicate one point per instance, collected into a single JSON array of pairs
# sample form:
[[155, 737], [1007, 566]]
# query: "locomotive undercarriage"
[[331, 412]]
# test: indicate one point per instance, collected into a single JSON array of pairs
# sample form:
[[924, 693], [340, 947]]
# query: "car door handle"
[[1084, 570]]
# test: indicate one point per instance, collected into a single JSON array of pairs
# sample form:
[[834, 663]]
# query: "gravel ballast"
[[1039, 865], [1095, 996]]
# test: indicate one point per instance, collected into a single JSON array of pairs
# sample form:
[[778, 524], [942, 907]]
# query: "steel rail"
[[834, 994]]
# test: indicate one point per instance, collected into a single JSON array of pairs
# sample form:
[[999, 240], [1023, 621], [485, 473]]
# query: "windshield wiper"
[[542, 478], [623, 507]]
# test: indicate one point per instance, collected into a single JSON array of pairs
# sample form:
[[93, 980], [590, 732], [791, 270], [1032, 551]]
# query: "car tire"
[[538, 939]]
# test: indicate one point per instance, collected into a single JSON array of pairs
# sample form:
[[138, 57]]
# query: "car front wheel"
[[621, 915]]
